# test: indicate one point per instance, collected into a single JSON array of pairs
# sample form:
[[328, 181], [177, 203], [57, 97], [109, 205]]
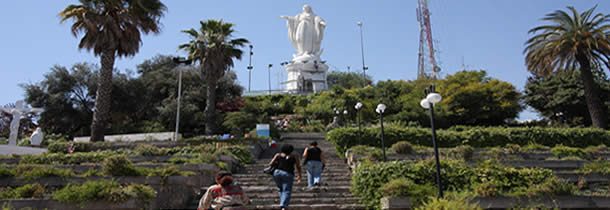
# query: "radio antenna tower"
[[427, 66]]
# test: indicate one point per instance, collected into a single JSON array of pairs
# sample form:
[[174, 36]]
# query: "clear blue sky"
[[482, 34]]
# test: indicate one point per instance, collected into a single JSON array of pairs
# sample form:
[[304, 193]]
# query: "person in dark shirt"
[[314, 164], [284, 173]]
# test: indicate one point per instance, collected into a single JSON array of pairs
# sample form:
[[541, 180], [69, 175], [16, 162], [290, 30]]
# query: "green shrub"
[[596, 149], [30, 172], [487, 179], [102, 190], [367, 152], [599, 166], [462, 152], [508, 179], [551, 186], [403, 187], [345, 138], [240, 153], [26, 191], [487, 189], [561, 151], [119, 165], [448, 204], [149, 150], [67, 159], [5, 171], [369, 177], [3, 140], [403, 147]]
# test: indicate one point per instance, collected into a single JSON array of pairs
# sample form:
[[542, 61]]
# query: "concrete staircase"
[[335, 193]]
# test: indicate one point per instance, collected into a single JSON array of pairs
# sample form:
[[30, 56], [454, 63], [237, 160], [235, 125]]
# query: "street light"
[[179, 61], [428, 103], [269, 66], [364, 67], [250, 68], [358, 106], [380, 110], [345, 117]]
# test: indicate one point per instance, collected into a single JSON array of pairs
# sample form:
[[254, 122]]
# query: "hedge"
[[62, 146], [344, 138], [368, 179]]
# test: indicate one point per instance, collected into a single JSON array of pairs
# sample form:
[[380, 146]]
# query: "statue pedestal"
[[306, 77]]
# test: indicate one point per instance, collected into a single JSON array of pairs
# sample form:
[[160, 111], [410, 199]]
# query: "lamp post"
[[428, 103], [364, 67], [269, 79], [345, 117], [358, 106], [250, 68], [380, 110], [179, 61]]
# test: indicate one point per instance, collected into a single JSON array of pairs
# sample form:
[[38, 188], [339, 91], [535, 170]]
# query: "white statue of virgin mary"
[[306, 31]]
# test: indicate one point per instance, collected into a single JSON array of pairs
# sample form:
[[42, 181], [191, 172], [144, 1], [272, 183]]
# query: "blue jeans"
[[314, 172], [284, 181]]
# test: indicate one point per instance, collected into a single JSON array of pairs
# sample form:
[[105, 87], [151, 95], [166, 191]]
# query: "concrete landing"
[[17, 150]]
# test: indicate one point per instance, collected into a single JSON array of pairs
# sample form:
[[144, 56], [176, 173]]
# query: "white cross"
[[17, 112]]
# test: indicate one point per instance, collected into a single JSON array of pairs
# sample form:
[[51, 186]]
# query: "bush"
[[5, 171], [26, 191], [368, 178], [403, 147], [599, 166], [344, 138], [403, 187], [149, 150], [561, 151], [67, 159], [463, 152], [366, 152], [119, 165], [448, 204], [555, 186], [103, 190], [488, 179], [30, 172]]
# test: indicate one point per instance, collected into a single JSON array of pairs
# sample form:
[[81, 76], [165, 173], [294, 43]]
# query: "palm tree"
[[576, 41], [214, 48], [111, 28]]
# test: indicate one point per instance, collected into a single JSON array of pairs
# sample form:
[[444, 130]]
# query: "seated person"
[[224, 195]]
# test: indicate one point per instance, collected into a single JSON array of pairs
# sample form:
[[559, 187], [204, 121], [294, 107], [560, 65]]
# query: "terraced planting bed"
[[148, 175], [496, 178]]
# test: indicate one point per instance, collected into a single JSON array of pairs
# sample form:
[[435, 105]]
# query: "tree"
[[561, 98], [473, 98], [347, 80], [577, 41], [111, 28], [142, 103], [67, 96], [214, 48]]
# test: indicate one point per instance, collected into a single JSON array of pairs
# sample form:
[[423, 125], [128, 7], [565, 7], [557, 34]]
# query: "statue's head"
[[307, 9]]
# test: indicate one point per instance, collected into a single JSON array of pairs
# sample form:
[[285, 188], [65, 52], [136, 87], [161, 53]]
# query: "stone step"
[[273, 189], [295, 201], [311, 207], [302, 184], [270, 179], [263, 175], [299, 194], [326, 170]]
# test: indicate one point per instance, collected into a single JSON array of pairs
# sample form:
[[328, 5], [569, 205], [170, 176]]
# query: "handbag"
[[271, 168]]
